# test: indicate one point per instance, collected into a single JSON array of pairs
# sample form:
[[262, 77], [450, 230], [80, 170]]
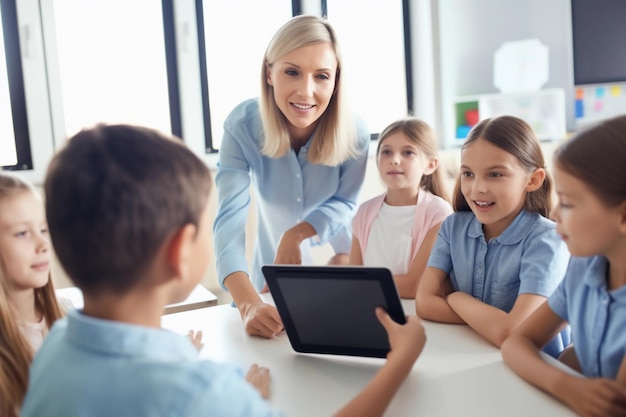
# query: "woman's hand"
[[261, 319], [288, 251]]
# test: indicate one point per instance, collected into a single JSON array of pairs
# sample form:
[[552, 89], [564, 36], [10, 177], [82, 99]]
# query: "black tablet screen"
[[325, 313]]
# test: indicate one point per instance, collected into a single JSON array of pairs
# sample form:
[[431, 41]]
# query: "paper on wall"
[[521, 66]]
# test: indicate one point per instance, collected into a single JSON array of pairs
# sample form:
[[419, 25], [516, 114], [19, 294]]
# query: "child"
[[591, 218], [28, 305], [135, 238], [498, 257], [397, 229]]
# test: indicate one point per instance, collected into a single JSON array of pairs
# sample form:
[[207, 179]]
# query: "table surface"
[[200, 297], [458, 373]]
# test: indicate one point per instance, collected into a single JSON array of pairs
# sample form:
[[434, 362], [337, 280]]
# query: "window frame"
[[17, 93]]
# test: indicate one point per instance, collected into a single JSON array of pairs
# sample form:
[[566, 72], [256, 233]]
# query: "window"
[[14, 139], [112, 63], [8, 153], [371, 36], [236, 34]]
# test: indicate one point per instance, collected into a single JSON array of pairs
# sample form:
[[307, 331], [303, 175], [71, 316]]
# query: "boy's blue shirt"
[[92, 367]]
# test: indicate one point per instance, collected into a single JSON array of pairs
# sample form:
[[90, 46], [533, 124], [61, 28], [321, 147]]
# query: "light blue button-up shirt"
[[89, 367], [596, 315], [528, 257], [288, 190]]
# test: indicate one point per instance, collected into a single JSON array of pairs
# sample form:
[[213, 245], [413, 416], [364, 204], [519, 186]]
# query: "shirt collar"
[[595, 277], [124, 339], [512, 235], [595, 274]]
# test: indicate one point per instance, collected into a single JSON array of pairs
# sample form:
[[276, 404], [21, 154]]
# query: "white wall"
[[470, 31]]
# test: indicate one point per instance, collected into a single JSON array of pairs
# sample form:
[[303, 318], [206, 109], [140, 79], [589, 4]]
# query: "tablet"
[[330, 309]]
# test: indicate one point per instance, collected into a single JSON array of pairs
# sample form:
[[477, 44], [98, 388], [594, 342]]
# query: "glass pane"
[[112, 63], [237, 33], [372, 43], [8, 155]]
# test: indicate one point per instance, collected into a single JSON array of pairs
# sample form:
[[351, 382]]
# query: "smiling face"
[[587, 225], [494, 184], [24, 242], [401, 164], [303, 82]]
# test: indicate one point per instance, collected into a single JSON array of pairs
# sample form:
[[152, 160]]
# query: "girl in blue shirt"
[[591, 219], [498, 257], [305, 155]]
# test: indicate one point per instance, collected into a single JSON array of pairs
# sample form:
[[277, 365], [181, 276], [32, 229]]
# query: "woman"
[[305, 154]]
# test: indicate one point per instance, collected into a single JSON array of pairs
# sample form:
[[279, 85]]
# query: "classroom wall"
[[470, 31]]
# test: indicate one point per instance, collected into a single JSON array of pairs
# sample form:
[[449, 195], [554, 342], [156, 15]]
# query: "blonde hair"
[[16, 353], [422, 136], [334, 140]]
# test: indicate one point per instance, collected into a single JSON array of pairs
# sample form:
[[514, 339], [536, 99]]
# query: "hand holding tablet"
[[332, 309]]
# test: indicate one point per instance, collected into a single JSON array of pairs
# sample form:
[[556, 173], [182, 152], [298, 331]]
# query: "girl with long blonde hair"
[[28, 305]]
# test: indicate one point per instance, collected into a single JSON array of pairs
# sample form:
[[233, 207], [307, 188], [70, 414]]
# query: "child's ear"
[[432, 166], [179, 250], [536, 180], [622, 226]]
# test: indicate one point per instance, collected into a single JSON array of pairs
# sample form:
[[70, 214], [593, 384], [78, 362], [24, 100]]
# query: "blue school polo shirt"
[[90, 367], [528, 257], [596, 316]]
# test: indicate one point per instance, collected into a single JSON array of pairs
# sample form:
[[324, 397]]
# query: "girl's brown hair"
[[422, 135], [597, 157], [16, 353], [516, 137]]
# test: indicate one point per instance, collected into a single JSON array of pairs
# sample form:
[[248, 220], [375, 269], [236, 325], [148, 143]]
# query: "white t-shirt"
[[390, 239]]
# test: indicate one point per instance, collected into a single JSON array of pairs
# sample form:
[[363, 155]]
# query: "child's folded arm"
[[492, 323], [430, 300]]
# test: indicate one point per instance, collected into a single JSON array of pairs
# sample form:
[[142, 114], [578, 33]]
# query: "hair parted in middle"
[[334, 139], [421, 135], [516, 137], [114, 194]]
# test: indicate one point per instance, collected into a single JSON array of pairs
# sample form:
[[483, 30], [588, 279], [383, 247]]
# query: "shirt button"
[[480, 270], [298, 199], [297, 175]]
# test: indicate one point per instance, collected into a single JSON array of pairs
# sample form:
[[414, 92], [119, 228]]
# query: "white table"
[[200, 297], [458, 373]]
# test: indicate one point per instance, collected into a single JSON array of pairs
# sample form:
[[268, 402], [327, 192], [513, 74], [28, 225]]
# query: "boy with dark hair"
[[129, 219]]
